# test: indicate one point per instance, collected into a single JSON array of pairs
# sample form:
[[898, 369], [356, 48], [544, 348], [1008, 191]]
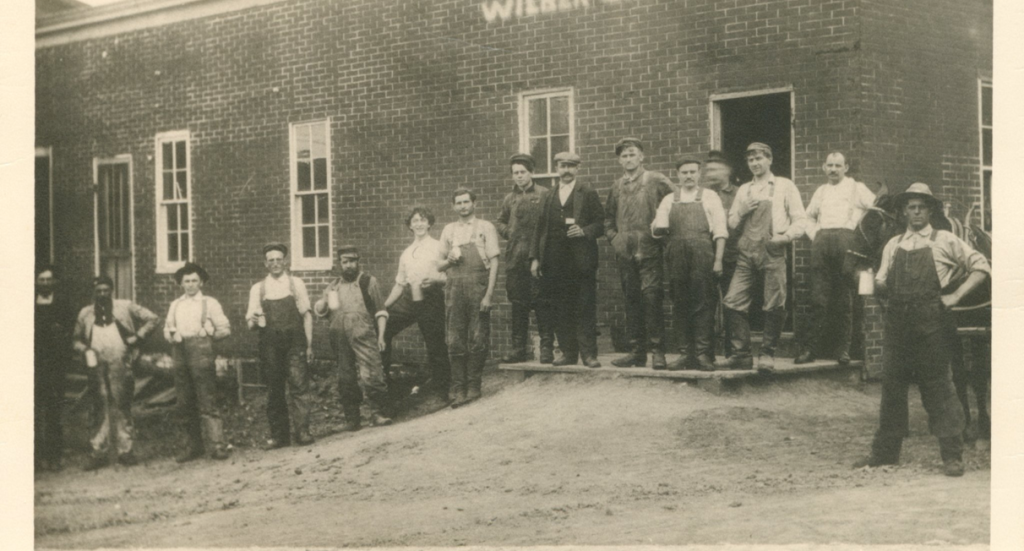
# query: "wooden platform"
[[713, 381]]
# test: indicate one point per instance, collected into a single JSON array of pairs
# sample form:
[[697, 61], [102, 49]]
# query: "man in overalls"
[[768, 214], [194, 321], [564, 260], [279, 309], [106, 334], [695, 224], [717, 177], [629, 211], [924, 272], [358, 322], [517, 223], [832, 216], [470, 249]]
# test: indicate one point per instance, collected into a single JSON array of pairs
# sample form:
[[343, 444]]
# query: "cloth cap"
[[568, 157], [918, 190], [191, 268], [628, 142], [758, 146], [103, 280], [716, 156], [275, 247], [348, 250], [523, 159], [687, 161]]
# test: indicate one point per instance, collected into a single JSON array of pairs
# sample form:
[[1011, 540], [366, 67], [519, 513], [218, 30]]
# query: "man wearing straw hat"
[[194, 321], [924, 272]]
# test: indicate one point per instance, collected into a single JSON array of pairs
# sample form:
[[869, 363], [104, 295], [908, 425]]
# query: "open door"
[[113, 229]]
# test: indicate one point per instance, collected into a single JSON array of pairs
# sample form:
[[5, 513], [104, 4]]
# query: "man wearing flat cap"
[[517, 223], [629, 211], [768, 215], [279, 309], [194, 321], [107, 334], [563, 257], [924, 273], [717, 176], [355, 305]]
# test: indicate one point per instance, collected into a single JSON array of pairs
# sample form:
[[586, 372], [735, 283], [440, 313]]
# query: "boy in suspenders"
[[194, 321]]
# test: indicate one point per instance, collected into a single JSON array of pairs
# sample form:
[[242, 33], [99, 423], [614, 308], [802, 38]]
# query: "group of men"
[[713, 238]]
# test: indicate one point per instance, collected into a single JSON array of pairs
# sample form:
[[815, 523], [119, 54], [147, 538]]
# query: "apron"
[[757, 229], [689, 247]]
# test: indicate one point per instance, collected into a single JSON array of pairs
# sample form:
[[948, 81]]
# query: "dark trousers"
[[915, 351], [574, 307], [49, 400], [642, 290], [524, 294], [728, 268], [283, 361], [831, 283], [195, 384], [428, 315]]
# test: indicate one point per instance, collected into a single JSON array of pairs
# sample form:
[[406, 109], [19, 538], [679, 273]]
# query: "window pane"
[[321, 208], [986, 147], [302, 142], [324, 242], [302, 175], [309, 242], [539, 150], [167, 155], [538, 114], [546, 182], [172, 217], [558, 145], [172, 247], [560, 115], [308, 209], [184, 246], [182, 184], [319, 139], [986, 105], [320, 173], [179, 155], [183, 217], [168, 185]]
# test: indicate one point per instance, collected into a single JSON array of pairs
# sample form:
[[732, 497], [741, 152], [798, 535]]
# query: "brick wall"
[[423, 98]]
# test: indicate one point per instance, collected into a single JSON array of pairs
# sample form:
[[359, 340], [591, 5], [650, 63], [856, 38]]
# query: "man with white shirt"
[[694, 223], [418, 297], [924, 272], [832, 216], [563, 258], [769, 215], [279, 308], [194, 321]]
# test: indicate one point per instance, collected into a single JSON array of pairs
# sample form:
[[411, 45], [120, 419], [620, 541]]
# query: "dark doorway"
[[44, 209], [114, 225], [765, 118]]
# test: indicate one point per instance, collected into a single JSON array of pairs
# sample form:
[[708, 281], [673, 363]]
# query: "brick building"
[[200, 129]]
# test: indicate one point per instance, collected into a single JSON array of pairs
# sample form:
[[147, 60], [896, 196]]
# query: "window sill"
[[311, 264], [169, 267]]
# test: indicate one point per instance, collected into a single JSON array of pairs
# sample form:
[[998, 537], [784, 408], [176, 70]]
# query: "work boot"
[[128, 459], [952, 449], [808, 356], [215, 435], [685, 362], [220, 453], [566, 359], [765, 363], [658, 359], [591, 362], [379, 420], [773, 321], [95, 462], [547, 354], [190, 453], [353, 421], [844, 359], [885, 450], [705, 363], [636, 358], [872, 460], [457, 392], [303, 439], [474, 375], [518, 353], [739, 339]]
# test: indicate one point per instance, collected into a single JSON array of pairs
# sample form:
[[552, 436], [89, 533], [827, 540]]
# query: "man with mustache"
[[832, 216], [106, 334], [359, 318]]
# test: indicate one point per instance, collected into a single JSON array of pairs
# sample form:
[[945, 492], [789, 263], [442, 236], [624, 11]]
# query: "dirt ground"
[[554, 460]]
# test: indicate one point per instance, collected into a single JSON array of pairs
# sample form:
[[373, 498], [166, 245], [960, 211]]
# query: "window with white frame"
[[173, 201], [311, 195], [546, 128], [985, 120]]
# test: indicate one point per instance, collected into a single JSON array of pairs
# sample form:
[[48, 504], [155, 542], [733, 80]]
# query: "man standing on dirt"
[[695, 225], [194, 321], [718, 178], [54, 322], [832, 216], [358, 322], [470, 249], [924, 273], [768, 215], [517, 223], [564, 260], [629, 211], [107, 333], [279, 309]]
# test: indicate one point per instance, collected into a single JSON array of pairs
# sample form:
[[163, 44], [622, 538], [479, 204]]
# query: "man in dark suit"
[[564, 258]]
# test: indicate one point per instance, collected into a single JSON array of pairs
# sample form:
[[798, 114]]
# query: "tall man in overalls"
[[924, 272], [629, 211], [832, 216], [194, 321], [564, 260], [279, 308], [359, 318], [517, 223], [769, 215], [106, 334], [470, 249], [694, 223]]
